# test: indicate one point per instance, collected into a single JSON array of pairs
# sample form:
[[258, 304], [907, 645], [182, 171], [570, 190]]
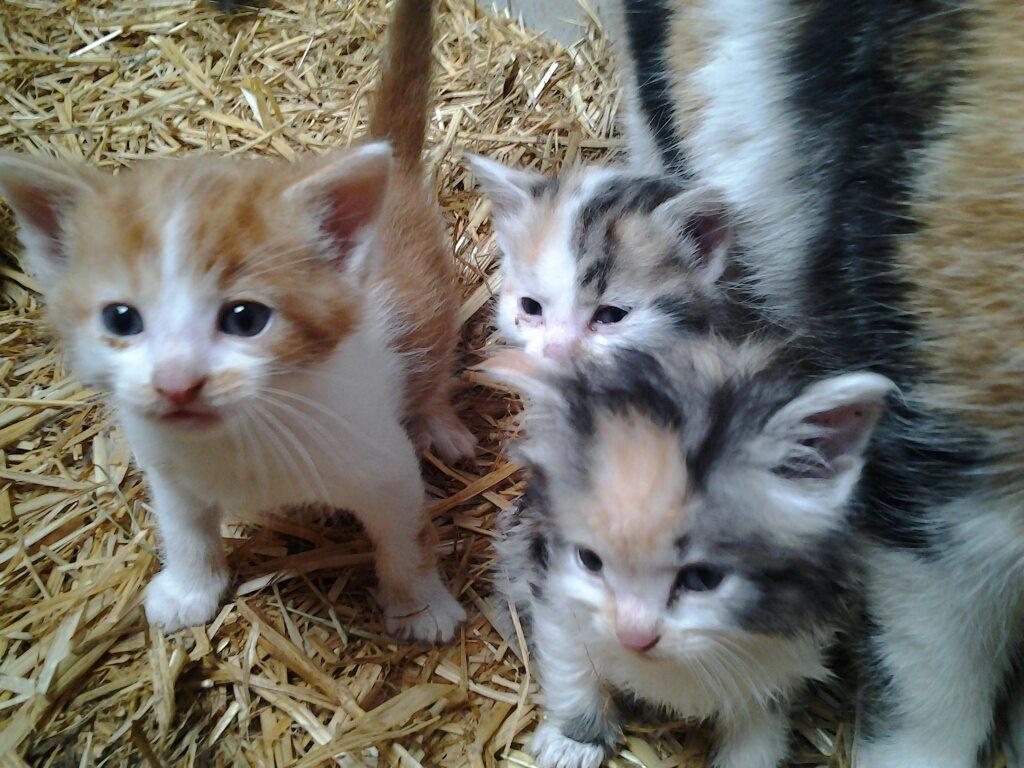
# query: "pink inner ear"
[[711, 230], [351, 205], [38, 206], [846, 425]]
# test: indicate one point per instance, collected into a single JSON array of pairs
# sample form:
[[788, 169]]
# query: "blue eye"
[[122, 319], [699, 578], [243, 318]]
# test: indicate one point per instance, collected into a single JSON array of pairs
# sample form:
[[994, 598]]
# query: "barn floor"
[[295, 670]]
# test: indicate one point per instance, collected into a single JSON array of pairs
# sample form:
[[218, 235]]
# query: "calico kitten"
[[685, 539], [874, 155], [263, 330], [601, 259]]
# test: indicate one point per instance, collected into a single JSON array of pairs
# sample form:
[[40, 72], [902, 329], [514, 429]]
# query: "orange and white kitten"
[[266, 333]]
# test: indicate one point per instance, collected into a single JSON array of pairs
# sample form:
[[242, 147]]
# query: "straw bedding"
[[295, 669]]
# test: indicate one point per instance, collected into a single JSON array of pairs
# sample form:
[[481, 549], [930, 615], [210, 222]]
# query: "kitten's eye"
[[531, 306], [589, 559], [699, 578], [608, 315], [244, 318], [122, 319]]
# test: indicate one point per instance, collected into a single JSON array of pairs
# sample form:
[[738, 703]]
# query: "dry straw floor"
[[295, 669]]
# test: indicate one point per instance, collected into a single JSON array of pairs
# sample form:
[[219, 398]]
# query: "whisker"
[[303, 454], [280, 451], [339, 419]]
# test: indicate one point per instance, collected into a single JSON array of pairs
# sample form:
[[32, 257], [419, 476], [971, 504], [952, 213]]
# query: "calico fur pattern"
[[875, 177], [700, 458]]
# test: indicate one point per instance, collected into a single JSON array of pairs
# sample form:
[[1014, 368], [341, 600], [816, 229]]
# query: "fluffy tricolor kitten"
[[265, 332], [601, 259], [872, 154], [684, 541]]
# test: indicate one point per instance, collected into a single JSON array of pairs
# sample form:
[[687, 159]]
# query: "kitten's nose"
[[558, 350], [639, 640], [179, 392]]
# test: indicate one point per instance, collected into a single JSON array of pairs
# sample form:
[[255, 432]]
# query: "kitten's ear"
[[700, 215], [522, 372], [509, 190], [346, 191], [42, 192], [821, 434]]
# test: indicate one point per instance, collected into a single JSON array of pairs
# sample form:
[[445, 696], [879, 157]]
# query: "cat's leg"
[[580, 725], [188, 589], [439, 427], [757, 738], [388, 498], [938, 628]]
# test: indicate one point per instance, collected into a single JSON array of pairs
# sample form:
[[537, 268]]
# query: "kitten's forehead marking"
[[639, 487], [549, 248], [173, 242], [612, 207]]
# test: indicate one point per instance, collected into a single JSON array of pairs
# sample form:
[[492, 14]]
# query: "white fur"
[[547, 276], [702, 668], [948, 633], [744, 143], [757, 739], [547, 272], [336, 439], [553, 750], [692, 673], [796, 508], [259, 436]]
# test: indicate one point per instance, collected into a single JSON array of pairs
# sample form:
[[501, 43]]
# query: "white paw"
[[432, 617], [761, 741], [448, 436], [553, 750], [175, 604]]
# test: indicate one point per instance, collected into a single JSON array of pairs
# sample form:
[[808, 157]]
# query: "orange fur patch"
[[418, 269], [965, 264], [640, 493], [235, 227], [117, 342]]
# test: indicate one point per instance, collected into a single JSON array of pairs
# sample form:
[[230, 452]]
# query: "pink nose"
[[558, 350], [181, 394], [639, 640]]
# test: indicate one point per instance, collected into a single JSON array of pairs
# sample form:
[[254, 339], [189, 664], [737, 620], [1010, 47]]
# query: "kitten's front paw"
[[448, 436], [174, 605], [553, 749], [432, 617]]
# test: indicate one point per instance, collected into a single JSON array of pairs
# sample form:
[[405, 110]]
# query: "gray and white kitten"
[[685, 540], [601, 258]]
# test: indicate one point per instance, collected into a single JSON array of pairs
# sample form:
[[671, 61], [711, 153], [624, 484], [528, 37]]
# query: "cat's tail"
[[400, 112]]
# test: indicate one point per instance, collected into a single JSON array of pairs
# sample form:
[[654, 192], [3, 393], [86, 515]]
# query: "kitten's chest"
[[662, 684], [701, 688]]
